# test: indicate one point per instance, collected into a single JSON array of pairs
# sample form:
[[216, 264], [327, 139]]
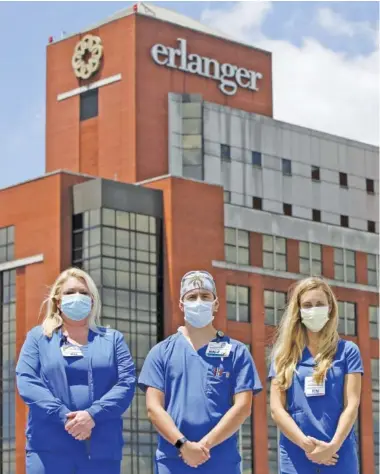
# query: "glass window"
[[316, 215], [238, 303], [374, 322], [6, 244], [192, 110], [315, 173], [347, 318], [191, 126], [375, 411], [286, 167], [8, 344], [344, 265], [236, 246], [88, 104], [256, 158], [370, 186], [372, 269], [274, 253], [310, 258], [227, 196], [274, 306], [343, 181], [191, 141], [225, 152], [257, 203], [192, 157], [193, 172]]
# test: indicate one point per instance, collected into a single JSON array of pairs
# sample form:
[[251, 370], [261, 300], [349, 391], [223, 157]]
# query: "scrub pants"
[[53, 463], [174, 466]]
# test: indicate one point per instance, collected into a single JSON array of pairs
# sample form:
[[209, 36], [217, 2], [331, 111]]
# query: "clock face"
[[87, 56]]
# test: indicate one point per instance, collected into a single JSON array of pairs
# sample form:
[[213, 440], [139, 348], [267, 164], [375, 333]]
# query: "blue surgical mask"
[[198, 313], [76, 307]]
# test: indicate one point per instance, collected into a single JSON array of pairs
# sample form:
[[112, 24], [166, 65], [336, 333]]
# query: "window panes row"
[[113, 218], [7, 244]]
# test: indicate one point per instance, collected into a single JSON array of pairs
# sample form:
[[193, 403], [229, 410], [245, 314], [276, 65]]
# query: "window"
[[236, 246], [8, 364], [7, 244], [371, 226], [286, 167], [343, 182], [225, 152], [344, 265], [238, 303], [227, 196], [344, 221], [274, 252], [256, 158], [374, 322], [375, 410], [245, 442], [122, 252], [372, 269], [273, 431], [370, 185], [315, 173], [316, 215], [287, 208], [89, 104], [274, 304], [257, 203], [347, 318], [310, 259]]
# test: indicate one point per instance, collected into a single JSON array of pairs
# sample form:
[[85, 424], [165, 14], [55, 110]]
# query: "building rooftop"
[[162, 14]]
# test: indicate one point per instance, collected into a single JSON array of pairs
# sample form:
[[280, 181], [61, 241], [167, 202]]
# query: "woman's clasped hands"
[[321, 452], [79, 424]]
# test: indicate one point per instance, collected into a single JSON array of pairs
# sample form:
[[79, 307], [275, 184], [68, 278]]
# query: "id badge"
[[71, 351], [313, 389], [218, 349]]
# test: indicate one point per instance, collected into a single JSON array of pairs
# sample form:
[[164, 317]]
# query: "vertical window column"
[[374, 322], [344, 265], [274, 252], [310, 258], [347, 318], [238, 303], [274, 304], [236, 246], [373, 269], [192, 138]]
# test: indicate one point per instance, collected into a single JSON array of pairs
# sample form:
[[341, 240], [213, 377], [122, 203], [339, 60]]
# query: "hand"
[[308, 445], [79, 424], [324, 453], [194, 454]]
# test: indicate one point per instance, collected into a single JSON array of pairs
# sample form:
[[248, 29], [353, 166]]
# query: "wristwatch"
[[180, 443]]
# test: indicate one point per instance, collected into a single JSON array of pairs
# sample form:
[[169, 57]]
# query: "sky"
[[325, 65]]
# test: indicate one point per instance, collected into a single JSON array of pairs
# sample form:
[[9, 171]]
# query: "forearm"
[[289, 427], [227, 426], [345, 424], [164, 424]]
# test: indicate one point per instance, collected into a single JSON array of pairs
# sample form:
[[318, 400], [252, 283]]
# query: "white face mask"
[[315, 319], [198, 314]]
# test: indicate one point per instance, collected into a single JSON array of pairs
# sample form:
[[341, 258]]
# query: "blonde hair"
[[291, 337], [53, 320]]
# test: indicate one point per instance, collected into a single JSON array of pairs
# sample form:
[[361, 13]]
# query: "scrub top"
[[198, 390], [318, 416], [76, 368]]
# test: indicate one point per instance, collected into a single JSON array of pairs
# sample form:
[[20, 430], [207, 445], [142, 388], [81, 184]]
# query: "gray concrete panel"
[[213, 169], [271, 206], [237, 185], [272, 184]]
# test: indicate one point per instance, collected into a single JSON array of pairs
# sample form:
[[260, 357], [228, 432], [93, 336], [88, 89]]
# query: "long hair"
[[291, 337], [53, 319]]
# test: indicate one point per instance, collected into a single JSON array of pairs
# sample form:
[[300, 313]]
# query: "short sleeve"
[[245, 375], [152, 372], [272, 372], [353, 359]]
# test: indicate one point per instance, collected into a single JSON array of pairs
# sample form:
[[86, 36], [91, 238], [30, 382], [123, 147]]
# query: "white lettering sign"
[[230, 77]]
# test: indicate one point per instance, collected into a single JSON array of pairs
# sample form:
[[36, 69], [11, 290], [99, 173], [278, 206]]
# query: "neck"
[[208, 332], [313, 339], [75, 326]]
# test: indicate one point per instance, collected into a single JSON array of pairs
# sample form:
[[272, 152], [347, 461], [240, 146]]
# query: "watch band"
[[180, 442]]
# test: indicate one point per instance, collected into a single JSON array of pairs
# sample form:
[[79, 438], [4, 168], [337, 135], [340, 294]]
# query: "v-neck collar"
[[194, 351]]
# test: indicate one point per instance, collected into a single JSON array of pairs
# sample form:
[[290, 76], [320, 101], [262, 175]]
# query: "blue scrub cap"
[[196, 280]]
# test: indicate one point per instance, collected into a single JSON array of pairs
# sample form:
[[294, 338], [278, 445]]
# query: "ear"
[[181, 306], [216, 306]]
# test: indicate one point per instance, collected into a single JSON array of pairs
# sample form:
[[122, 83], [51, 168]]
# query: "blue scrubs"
[[198, 392], [318, 416], [102, 381]]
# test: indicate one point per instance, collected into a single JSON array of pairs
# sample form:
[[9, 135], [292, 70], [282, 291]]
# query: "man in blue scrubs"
[[199, 385]]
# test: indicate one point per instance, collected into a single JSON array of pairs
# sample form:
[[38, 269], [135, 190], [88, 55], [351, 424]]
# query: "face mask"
[[198, 313], [76, 307], [315, 319]]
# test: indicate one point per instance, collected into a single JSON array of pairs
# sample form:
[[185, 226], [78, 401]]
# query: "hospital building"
[[162, 156]]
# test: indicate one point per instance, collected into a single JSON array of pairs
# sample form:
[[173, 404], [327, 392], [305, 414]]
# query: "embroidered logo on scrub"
[[219, 371]]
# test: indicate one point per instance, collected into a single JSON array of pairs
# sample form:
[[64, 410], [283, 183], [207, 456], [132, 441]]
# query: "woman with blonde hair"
[[315, 385], [77, 380]]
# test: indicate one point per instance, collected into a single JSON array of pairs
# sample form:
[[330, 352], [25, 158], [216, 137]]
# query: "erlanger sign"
[[230, 77]]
